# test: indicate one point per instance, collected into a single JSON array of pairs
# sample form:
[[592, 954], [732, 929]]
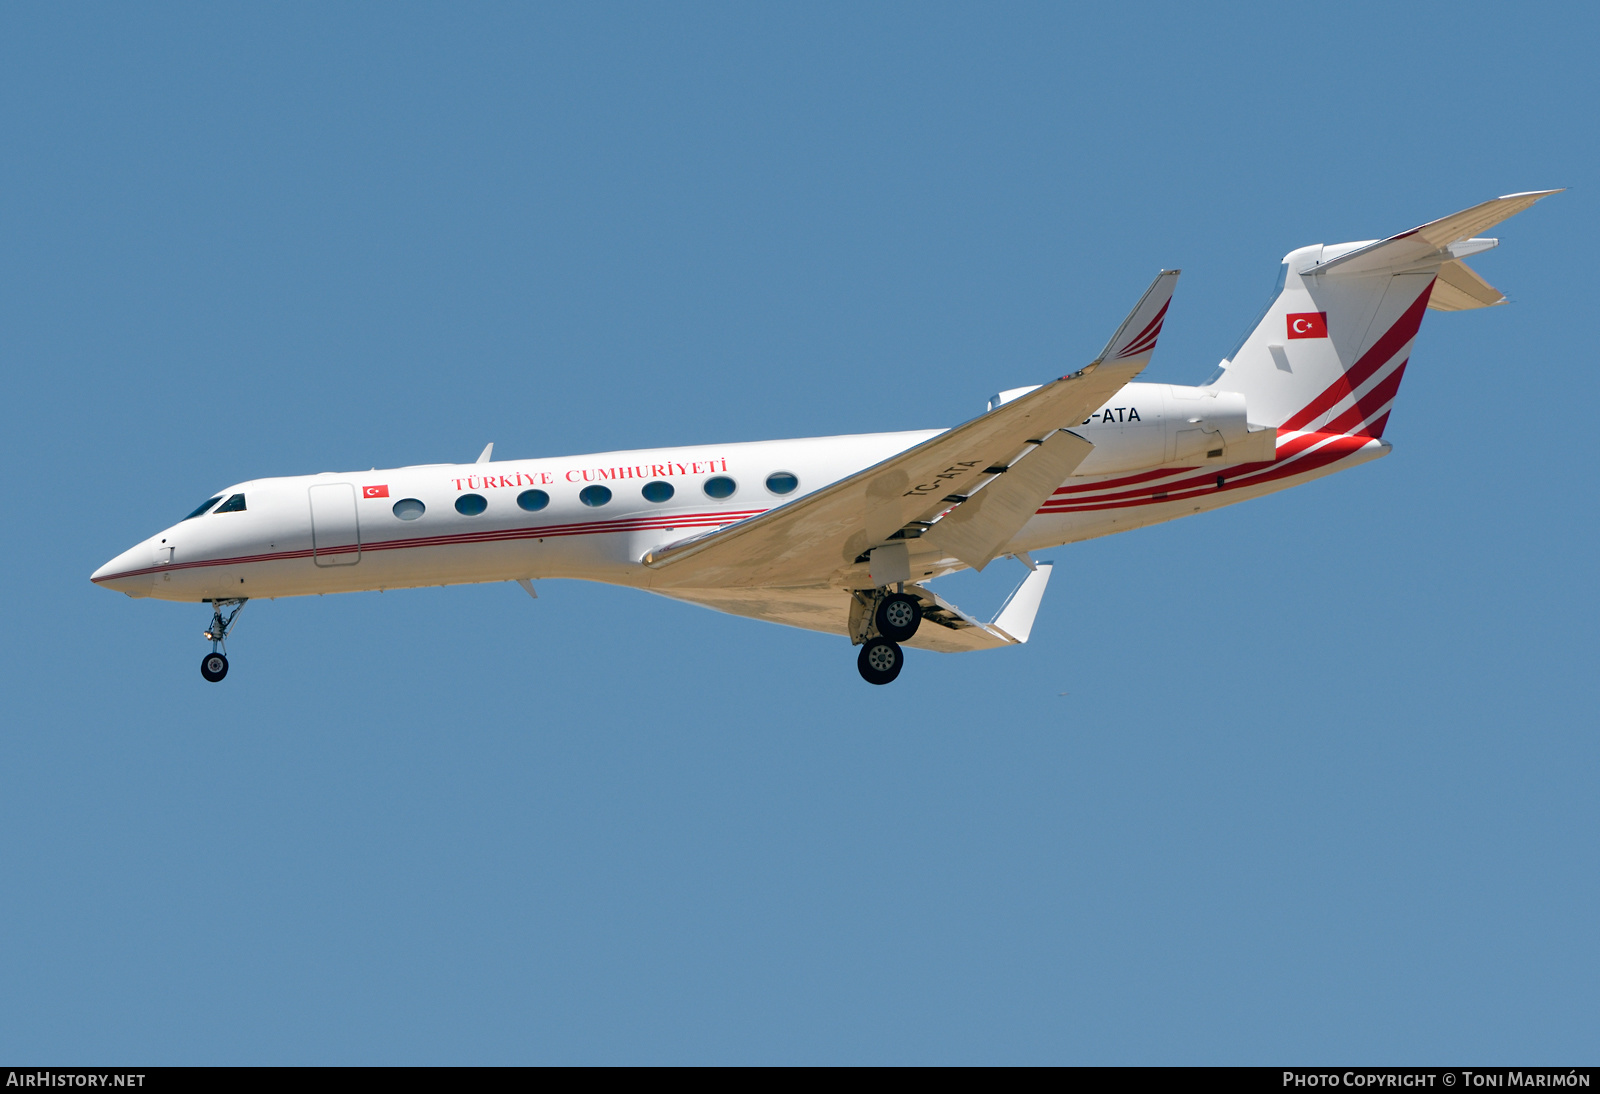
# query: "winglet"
[[1015, 620], [1136, 338], [486, 454], [1134, 341]]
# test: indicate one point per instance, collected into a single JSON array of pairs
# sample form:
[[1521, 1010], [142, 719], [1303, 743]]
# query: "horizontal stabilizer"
[[1459, 288], [1429, 245]]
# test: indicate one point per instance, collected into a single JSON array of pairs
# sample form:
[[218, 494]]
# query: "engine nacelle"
[[1152, 425]]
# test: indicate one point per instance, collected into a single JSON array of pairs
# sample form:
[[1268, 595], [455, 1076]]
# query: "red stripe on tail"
[[1354, 420], [1382, 352]]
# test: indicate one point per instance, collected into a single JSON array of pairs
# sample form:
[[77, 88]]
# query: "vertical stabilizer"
[[1330, 351]]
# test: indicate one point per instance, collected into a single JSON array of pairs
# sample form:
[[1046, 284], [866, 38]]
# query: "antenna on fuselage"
[[488, 450]]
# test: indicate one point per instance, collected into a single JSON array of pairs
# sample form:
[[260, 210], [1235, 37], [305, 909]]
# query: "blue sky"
[[1311, 779]]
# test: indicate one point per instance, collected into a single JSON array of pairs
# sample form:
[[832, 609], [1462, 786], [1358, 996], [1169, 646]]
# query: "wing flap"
[[815, 539], [975, 531]]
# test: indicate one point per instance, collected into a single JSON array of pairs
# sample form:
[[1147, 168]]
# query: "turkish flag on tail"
[[374, 491], [1308, 324]]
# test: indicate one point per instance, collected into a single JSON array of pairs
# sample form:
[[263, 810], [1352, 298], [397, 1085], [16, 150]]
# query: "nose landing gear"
[[214, 665]]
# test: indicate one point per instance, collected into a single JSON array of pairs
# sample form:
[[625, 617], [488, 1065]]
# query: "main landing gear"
[[879, 622], [214, 665], [898, 617], [880, 661]]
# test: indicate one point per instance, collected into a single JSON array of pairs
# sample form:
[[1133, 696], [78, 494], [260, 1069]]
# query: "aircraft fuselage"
[[1161, 452]]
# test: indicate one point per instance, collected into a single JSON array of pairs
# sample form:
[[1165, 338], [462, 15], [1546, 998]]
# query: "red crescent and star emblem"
[[375, 491], [1308, 324]]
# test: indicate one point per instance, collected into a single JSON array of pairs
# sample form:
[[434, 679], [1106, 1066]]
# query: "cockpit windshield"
[[234, 504], [207, 504]]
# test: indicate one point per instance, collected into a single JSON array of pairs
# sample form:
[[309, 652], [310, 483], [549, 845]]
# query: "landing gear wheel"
[[880, 661], [898, 617], [214, 665]]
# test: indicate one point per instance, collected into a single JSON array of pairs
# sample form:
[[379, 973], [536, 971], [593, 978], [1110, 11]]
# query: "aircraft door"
[[335, 528]]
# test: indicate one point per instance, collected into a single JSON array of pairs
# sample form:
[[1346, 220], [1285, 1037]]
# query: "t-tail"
[[1329, 352]]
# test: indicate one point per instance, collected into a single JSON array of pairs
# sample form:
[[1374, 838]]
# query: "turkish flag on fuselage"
[[375, 491], [1308, 324]]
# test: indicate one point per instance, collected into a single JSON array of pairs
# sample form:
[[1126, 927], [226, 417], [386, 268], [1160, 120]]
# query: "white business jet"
[[844, 534]]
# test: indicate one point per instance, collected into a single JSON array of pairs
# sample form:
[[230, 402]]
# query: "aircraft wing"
[[812, 540], [945, 627]]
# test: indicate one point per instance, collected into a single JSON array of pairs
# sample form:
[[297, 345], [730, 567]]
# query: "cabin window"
[[782, 482], [234, 504], [720, 487], [409, 509], [470, 505], [532, 500], [207, 504], [595, 495], [658, 491]]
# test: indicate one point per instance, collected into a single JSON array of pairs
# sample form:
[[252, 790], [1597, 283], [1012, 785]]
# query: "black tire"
[[898, 617], [214, 666], [880, 661]]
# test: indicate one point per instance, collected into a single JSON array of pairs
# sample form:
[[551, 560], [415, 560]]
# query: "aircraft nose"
[[123, 572]]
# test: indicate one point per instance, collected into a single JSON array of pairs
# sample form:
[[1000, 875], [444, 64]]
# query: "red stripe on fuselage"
[[1129, 480], [1308, 453], [1287, 450], [552, 531]]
